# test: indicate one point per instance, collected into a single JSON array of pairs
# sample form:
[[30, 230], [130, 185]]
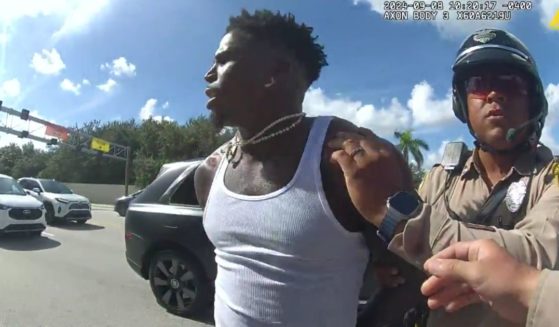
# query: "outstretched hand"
[[470, 272]]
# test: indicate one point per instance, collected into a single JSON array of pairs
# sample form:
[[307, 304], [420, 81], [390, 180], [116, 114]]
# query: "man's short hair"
[[284, 31]]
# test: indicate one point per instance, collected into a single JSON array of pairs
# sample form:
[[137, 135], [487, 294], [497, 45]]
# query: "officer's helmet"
[[492, 47]]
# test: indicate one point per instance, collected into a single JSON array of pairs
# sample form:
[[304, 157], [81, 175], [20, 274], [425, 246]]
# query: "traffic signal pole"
[[83, 142]]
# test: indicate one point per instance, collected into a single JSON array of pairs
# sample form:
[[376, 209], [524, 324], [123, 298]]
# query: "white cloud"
[[120, 67], [383, 121], [80, 15], [548, 9], [71, 16], [428, 111], [108, 86], [10, 88], [86, 82], [165, 105], [552, 95], [548, 140], [423, 110], [68, 85], [47, 62], [451, 28], [147, 111]]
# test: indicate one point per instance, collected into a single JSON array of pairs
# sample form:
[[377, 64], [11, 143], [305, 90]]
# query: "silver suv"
[[61, 204]]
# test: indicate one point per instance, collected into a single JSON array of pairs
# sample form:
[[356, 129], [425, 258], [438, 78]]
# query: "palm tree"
[[410, 145]]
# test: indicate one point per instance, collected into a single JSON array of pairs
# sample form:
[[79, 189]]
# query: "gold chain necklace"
[[233, 146]]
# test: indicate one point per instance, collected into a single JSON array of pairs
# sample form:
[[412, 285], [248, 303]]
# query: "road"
[[77, 276]]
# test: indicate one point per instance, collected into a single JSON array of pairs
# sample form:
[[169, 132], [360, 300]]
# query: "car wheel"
[[81, 222], [179, 283], [49, 215]]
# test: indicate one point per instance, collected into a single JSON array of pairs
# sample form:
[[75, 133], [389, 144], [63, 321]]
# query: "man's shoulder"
[[340, 125], [205, 173]]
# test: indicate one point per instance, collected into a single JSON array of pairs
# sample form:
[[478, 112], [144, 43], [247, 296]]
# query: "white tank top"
[[282, 258]]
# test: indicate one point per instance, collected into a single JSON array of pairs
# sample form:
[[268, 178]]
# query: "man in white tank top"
[[289, 244]]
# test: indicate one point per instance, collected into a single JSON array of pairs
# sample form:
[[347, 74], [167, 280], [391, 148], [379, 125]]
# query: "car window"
[[32, 184], [10, 186], [185, 193], [24, 184], [56, 187]]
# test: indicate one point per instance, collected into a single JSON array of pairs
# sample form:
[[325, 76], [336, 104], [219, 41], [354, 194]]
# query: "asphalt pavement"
[[77, 275]]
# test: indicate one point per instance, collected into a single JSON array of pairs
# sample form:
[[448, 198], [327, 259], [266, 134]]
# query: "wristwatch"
[[401, 207]]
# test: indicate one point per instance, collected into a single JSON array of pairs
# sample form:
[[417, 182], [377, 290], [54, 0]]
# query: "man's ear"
[[280, 72]]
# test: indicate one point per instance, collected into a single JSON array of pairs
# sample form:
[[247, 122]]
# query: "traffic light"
[[24, 114]]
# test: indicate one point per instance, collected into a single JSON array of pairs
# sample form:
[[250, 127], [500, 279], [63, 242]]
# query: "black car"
[[122, 203], [166, 242]]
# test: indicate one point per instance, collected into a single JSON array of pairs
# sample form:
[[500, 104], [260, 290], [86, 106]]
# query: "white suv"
[[19, 212], [61, 204]]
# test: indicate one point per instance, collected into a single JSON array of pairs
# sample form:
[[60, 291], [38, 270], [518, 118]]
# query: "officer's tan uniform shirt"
[[533, 241], [543, 310]]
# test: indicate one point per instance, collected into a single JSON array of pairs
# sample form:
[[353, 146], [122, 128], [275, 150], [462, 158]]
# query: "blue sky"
[[72, 61]]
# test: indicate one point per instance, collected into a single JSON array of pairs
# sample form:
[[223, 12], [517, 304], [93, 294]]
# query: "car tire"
[[179, 283], [35, 234], [49, 215], [81, 222]]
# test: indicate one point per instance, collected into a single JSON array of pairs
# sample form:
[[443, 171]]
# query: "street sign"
[[57, 131], [100, 145]]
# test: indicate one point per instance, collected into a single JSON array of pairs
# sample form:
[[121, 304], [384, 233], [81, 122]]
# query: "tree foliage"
[[152, 144], [411, 146]]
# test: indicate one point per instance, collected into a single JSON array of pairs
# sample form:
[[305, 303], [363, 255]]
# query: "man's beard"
[[217, 121]]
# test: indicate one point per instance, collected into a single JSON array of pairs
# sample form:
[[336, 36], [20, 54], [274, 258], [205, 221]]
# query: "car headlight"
[[62, 200]]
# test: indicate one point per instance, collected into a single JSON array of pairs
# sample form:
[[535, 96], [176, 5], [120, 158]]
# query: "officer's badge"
[[515, 195], [484, 36]]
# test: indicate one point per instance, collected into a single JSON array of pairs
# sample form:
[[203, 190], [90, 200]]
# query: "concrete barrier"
[[101, 193]]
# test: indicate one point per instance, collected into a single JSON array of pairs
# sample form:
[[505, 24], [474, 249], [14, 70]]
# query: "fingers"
[[364, 144], [463, 301], [434, 284], [348, 142], [453, 269], [455, 292], [342, 158], [452, 295]]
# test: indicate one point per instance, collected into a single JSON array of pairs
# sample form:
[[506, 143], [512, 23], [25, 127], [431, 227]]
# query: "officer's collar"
[[524, 165]]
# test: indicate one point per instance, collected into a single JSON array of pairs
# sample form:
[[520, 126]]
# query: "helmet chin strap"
[[522, 147], [511, 136]]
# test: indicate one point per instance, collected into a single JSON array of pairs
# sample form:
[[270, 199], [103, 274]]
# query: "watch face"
[[404, 202]]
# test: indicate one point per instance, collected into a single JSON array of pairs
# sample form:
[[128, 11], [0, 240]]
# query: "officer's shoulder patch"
[[480, 227], [555, 171]]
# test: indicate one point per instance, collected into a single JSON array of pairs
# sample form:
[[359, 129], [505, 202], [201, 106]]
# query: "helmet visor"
[[482, 84]]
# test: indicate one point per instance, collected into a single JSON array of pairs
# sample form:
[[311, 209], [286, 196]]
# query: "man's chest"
[[260, 177]]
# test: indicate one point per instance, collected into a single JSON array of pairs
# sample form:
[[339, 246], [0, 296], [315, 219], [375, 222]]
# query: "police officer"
[[504, 190]]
